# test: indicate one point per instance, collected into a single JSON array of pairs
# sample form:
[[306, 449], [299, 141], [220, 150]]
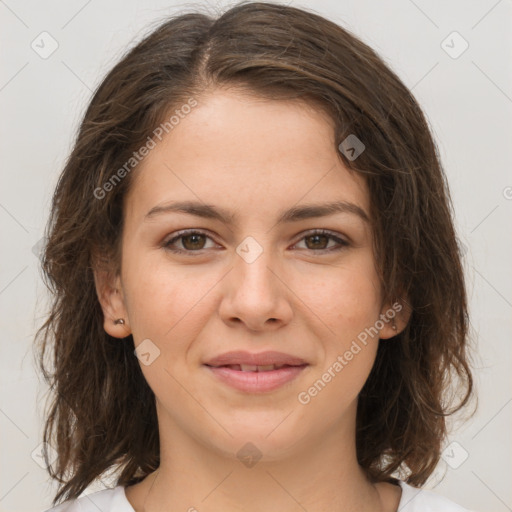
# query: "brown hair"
[[102, 415]]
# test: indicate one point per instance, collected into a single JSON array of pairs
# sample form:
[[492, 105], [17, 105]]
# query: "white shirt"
[[114, 500]]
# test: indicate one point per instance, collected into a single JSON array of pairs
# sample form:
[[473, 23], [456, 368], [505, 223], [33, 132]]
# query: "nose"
[[256, 295]]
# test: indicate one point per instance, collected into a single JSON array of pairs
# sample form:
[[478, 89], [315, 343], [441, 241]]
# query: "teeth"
[[248, 368], [254, 368], [266, 368]]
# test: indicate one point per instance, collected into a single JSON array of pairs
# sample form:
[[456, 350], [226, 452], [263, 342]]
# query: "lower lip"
[[256, 382]]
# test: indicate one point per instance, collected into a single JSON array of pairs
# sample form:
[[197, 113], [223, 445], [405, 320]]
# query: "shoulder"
[[106, 500], [422, 500]]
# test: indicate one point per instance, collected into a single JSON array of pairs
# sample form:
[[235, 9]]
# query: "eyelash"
[[341, 243]]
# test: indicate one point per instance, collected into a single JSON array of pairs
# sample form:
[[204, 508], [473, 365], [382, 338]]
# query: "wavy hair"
[[102, 414]]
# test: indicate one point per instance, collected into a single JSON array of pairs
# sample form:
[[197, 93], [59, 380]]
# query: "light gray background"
[[468, 101]]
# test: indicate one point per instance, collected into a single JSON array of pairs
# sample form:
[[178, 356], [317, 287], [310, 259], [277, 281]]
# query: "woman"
[[258, 296]]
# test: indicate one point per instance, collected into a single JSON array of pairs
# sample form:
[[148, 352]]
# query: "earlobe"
[[395, 317], [115, 317]]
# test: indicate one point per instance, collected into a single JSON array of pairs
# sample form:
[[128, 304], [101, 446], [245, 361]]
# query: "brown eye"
[[317, 241], [194, 241], [191, 241]]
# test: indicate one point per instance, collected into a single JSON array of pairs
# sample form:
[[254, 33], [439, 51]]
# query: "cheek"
[[169, 307], [166, 304], [349, 303], [349, 351], [346, 298]]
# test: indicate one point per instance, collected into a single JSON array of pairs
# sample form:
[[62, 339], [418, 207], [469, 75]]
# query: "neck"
[[322, 474]]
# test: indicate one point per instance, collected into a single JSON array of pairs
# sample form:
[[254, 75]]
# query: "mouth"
[[253, 367], [256, 378]]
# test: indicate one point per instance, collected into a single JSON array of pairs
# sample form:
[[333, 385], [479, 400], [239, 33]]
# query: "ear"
[[396, 314], [110, 296]]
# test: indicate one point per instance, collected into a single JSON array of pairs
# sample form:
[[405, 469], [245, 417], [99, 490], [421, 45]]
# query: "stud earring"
[[119, 321], [393, 326]]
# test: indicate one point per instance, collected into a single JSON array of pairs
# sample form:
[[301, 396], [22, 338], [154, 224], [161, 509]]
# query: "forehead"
[[237, 148]]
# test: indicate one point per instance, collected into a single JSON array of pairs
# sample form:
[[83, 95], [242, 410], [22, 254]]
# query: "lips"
[[254, 368], [256, 373], [260, 360]]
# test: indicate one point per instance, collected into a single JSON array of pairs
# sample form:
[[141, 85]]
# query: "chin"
[[266, 438]]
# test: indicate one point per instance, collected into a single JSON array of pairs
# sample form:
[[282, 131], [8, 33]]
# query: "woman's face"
[[255, 280]]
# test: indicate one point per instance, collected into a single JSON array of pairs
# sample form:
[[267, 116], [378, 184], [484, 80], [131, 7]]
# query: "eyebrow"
[[297, 213]]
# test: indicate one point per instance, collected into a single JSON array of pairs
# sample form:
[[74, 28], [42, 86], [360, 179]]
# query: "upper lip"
[[256, 359]]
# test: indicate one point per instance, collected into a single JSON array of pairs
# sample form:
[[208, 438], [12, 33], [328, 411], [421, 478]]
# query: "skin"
[[254, 158]]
